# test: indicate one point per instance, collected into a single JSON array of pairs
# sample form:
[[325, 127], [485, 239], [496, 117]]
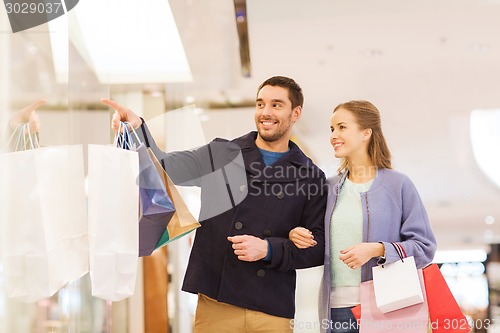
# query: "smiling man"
[[242, 265]]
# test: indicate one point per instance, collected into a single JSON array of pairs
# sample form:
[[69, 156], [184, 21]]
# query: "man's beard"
[[271, 137], [281, 129]]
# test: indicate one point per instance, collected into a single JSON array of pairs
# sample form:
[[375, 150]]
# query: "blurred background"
[[191, 69]]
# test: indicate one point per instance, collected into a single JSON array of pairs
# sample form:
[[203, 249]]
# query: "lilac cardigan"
[[396, 214]]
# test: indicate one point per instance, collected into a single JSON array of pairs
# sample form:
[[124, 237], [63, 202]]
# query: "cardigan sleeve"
[[416, 234]]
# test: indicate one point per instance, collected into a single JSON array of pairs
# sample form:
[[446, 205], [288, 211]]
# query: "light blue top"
[[346, 231]]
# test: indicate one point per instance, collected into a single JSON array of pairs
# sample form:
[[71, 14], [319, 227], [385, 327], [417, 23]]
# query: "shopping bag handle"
[[145, 134], [400, 250], [32, 144], [139, 142], [23, 141], [123, 137], [16, 134]]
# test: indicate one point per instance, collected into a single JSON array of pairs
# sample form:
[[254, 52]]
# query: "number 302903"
[[33, 8]]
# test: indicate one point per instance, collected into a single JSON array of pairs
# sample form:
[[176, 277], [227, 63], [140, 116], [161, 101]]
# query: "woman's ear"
[[367, 133]]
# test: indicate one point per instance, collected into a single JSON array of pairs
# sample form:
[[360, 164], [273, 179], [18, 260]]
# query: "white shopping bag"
[[397, 285], [113, 209], [43, 223]]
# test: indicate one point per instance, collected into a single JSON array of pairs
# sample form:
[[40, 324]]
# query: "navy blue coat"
[[273, 200]]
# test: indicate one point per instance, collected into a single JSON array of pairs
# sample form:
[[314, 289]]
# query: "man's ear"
[[296, 113]]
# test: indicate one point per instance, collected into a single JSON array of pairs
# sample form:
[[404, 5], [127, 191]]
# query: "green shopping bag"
[[182, 222]]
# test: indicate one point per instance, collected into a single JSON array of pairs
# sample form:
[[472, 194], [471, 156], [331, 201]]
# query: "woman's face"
[[347, 138]]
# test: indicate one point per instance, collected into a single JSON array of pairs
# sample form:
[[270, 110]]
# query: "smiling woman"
[[370, 207]]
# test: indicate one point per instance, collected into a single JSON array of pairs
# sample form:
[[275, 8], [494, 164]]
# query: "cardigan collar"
[[379, 177]]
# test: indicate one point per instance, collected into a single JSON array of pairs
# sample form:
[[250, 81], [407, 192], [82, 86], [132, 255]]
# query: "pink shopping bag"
[[411, 319]]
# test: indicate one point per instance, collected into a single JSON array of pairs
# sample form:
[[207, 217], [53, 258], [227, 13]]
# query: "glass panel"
[[41, 64]]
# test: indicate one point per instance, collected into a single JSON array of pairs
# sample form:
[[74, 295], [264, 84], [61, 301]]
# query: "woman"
[[369, 206]]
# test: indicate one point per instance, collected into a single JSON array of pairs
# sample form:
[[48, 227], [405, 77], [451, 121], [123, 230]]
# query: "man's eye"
[[276, 105]]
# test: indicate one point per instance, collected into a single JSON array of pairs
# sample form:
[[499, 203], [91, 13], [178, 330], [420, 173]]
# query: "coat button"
[[238, 225], [280, 195], [261, 273], [267, 233], [243, 188]]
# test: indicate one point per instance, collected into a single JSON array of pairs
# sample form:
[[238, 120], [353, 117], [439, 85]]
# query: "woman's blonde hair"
[[368, 116]]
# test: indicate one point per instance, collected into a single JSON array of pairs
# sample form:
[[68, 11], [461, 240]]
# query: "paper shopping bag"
[[356, 311], [43, 220], [444, 312], [411, 319], [113, 209], [156, 208], [182, 222], [396, 284]]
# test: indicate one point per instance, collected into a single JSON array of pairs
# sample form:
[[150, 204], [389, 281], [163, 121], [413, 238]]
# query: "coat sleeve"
[[184, 167], [416, 234], [286, 256]]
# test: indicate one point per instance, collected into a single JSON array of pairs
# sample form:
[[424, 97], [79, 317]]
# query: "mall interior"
[[191, 69]]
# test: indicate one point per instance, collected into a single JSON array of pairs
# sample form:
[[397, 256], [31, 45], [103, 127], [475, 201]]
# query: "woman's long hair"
[[368, 116]]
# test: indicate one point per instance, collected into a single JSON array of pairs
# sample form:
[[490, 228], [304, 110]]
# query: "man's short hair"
[[294, 90]]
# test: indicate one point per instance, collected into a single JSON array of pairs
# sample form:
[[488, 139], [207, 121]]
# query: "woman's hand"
[[302, 237], [358, 255]]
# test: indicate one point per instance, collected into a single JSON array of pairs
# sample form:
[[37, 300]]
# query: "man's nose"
[[267, 110]]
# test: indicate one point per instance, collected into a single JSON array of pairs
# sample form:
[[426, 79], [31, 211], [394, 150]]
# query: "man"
[[242, 264]]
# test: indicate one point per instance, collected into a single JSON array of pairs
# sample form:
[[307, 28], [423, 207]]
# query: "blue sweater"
[[396, 213]]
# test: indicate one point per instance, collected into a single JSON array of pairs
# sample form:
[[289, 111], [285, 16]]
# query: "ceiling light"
[[485, 140], [373, 53], [130, 41], [480, 48], [488, 236], [460, 256], [489, 220], [59, 46], [189, 99], [204, 117]]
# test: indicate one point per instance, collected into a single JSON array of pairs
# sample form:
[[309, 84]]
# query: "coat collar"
[[253, 159]]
